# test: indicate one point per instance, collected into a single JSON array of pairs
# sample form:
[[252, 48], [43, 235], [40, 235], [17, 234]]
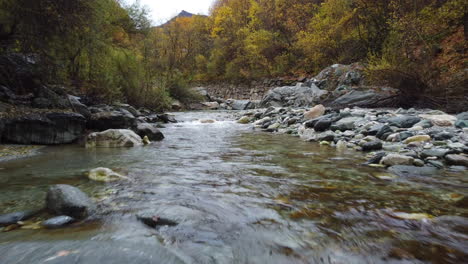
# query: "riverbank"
[[388, 137]]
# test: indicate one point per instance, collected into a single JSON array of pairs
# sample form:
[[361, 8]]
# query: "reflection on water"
[[240, 197]]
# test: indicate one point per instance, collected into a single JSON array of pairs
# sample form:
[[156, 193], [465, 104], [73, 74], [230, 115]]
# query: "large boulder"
[[121, 119], [240, 104], [113, 138], [358, 98], [43, 128], [149, 130], [78, 107], [67, 200], [299, 95]]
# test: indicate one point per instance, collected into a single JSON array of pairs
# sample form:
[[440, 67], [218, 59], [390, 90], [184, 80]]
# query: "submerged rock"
[[13, 218], [152, 220], [58, 222], [105, 175], [68, 200], [113, 138]]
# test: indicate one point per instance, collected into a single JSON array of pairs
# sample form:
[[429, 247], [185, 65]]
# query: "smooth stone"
[[424, 124], [440, 120], [58, 222], [13, 218], [376, 159], [418, 163], [149, 130], [146, 140], [348, 123], [459, 160], [405, 134], [403, 121], [372, 146], [444, 135], [244, 120], [435, 163], [323, 125], [397, 159], [327, 136], [384, 130], [207, 121], [316, 111], [418, 138], [461, 124], [439, 153], [152, 220], [68, 200], [413, 171], [113, 138]]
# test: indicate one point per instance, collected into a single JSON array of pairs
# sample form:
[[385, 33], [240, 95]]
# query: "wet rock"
[[376, 159], [149, 130], [207, 121], [372, 146], [153, 220], [176, 105], [111, 120], [322, 125], [327, 136], [443, 135], [459, 160], [403, 121], [418, 138], [461, 124], [244, 120], [405, 135], [166, 118], [58, 222], [68, 200], [440, 120], [373, 130], [435, 163], [439, 153], [44, 129], [397, 159], [424, 124], [413, 171], [316, 111], [113, 138], [105, 175], [13, 218], [384, 132]]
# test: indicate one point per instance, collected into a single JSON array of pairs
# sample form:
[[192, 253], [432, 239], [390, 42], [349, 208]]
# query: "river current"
[[238, 196]]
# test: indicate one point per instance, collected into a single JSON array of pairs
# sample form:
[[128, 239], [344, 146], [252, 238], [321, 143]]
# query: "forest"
[[110, 51]]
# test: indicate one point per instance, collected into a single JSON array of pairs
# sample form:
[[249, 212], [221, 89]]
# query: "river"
[[239, 196]]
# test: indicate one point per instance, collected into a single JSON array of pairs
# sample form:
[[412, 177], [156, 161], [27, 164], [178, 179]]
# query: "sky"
[[163, 10]]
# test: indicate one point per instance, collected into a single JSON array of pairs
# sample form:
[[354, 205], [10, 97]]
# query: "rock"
[[149, 130], [327, 136], [58, 222], [153, 220], [241, 104], [211, 105], [78, 107], [113, 138], [373, 130], [176, 105], [44, 129], [146, 140], [376, 159], [413, 171], [372, 146], [418, 138], [297, 96], [358, 98], [436, 164], [273, 127], [424, 124], [166, 118], [348, 123], [315, 112], [13, 218], [461, 124], [458, 160], [405, 135], [443, 135], [403, 121], [68, 200], [418, 163], [397, 159], [207, 121], [112, 120], [384, 132], [105, 175], [439, 153], [440, 120], [322, 125], [341, 145], [244, 120], [462, 116]]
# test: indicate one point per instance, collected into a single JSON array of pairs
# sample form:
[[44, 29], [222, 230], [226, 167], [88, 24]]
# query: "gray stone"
[[44, 129], [13, 218], [113, 138], [112, 120], [322, 125], [58, 222], [405, 135], [462, 116], [459, 160], [68, 200], [404, 121], [152, 219], [297, 96], [372, 146], [78, 107], [149, 130], [413, 171], [241, 104], [357, 98], [439, 153], [384, 132], [348, 123], [461, 123]]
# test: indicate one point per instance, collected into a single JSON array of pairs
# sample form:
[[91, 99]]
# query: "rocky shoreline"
[[389, 137]]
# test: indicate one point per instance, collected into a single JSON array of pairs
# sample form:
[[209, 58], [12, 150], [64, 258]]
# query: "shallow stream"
[[239, 196]]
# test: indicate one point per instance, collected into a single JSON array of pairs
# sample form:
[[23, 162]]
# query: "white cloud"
[[163, 10]]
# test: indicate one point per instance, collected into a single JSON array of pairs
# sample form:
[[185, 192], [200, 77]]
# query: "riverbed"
[[238, 196]]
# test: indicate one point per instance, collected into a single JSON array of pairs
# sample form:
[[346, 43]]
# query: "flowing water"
[[239, 196]]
